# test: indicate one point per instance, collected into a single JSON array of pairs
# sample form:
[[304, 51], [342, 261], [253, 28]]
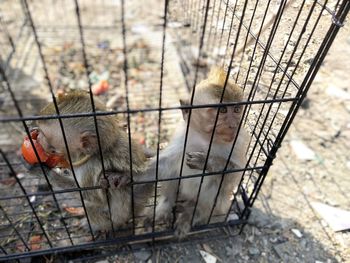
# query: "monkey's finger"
[[103, 183]]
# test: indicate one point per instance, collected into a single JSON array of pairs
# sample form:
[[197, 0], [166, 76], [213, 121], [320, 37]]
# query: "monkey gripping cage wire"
[[151, 56]]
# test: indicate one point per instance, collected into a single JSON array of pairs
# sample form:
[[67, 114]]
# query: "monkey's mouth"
[[227, 136], [30, 155]]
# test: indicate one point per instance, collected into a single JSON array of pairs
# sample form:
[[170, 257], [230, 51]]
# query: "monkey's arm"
[[61, 178], [196, 160]]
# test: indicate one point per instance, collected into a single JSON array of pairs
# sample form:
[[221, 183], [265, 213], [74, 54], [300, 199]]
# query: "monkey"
[[200, 130], [83, 147]]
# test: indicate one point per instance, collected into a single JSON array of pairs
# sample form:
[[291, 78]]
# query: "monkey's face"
[[51, 139], [227, 124]]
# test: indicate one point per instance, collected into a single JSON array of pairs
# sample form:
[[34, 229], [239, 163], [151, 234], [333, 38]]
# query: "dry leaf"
[[34, 242], [8, 181], [20, 247], [75, 210]]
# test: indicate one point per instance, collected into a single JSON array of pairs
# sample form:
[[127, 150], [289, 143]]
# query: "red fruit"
[[51, 160], [56, 160], [28, 151]]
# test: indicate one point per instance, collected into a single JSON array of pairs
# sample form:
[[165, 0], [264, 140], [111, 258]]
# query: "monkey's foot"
[[195, 160], [182, 226]]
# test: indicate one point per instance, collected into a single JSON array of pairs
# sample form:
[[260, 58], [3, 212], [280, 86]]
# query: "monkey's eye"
[[223, 109], [52, 150], [237, 109]]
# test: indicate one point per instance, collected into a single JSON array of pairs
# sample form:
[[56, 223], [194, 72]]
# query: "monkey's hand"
[[114, 180], [196, 160]]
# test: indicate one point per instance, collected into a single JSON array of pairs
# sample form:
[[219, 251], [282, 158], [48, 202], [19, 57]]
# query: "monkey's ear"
[[184, 102], [88, 142]]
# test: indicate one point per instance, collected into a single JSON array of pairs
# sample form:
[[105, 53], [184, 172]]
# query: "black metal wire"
[[12, 225], [229, 33], [134, 183], [191, 101], [13, 173], [133, 111], [166, 2], [246, 38], [3, 250], [269, 42], [88, 71], [217, 115], [309, 77], [29, 16], [329, 38], [272, 81], [288, 63], [125, 69], [211, 41]]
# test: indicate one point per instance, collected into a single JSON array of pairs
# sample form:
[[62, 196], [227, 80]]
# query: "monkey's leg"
[[183, 218], [166, 201]]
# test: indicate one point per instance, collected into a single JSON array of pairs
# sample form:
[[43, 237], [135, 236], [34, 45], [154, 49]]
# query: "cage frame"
[[338, 17]]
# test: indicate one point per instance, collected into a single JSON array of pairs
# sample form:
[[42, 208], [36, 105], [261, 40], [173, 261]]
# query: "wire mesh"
[[151, 58]]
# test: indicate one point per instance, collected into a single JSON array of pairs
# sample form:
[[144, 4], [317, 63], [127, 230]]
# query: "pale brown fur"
[[82, 141], [201, 127]]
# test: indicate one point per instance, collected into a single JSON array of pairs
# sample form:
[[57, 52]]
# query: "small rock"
[[309, 61], [305, 104], [253, 251], [303, 243], [251, 238], [234, 249], [143, 255], [338, 93], [302, 151], [283, 250], [258, 218]]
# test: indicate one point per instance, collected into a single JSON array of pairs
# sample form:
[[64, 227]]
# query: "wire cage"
[[151, 55]]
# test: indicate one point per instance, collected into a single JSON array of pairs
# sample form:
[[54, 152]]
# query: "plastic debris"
[[338, 219], [297, 233], [103, 44], [32, 198], [175, 24], [100, 87], [302, 151], [208, 258], [140, 29], [338, 93]]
